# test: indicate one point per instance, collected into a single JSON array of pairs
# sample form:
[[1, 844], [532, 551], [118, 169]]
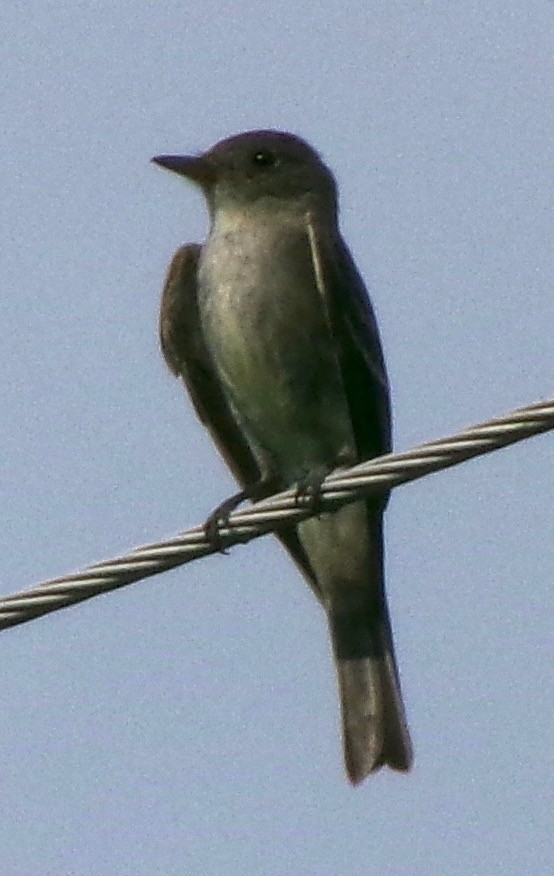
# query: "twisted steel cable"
[[339, 488]]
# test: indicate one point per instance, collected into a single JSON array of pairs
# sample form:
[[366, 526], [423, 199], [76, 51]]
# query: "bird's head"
[[257, 165]]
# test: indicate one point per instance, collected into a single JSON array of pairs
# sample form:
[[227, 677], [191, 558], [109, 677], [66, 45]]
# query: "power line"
[[339, 488]]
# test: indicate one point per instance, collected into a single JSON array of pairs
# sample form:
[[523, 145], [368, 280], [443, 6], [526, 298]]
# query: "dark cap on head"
[[256, 164]]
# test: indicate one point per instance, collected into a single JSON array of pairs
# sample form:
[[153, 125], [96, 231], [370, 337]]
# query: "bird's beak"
[[195, 167]]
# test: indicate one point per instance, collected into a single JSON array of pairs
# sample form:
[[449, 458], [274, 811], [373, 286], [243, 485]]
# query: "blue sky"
[[189, 724]]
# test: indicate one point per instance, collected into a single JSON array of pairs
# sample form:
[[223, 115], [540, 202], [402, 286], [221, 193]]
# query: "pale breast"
[[266, 328]]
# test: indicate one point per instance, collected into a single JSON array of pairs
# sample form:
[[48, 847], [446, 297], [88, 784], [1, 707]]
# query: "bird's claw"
[[308, 490], [220, 518]]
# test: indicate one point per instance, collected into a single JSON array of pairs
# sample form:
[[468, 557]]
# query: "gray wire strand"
[[340, 487]]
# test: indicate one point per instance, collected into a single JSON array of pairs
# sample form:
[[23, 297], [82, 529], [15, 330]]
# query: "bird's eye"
[[264, 158]]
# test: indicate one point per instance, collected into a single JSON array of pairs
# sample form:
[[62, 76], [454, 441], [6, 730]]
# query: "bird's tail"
[[374, 725]]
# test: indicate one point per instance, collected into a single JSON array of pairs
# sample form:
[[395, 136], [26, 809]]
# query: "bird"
[[270, 328]]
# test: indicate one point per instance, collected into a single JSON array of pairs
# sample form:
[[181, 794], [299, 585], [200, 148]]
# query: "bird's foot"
[[308, 489], [220, 516]]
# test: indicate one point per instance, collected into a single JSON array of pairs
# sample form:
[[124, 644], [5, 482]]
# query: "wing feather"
[[187, 356]]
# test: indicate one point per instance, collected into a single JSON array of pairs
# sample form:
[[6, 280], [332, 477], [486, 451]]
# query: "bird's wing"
[[355, 335], [187, 356]]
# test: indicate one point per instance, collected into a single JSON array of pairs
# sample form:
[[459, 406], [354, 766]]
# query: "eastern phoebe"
[[270, 327]]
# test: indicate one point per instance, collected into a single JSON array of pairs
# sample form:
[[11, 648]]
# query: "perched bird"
[[269, 326]]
